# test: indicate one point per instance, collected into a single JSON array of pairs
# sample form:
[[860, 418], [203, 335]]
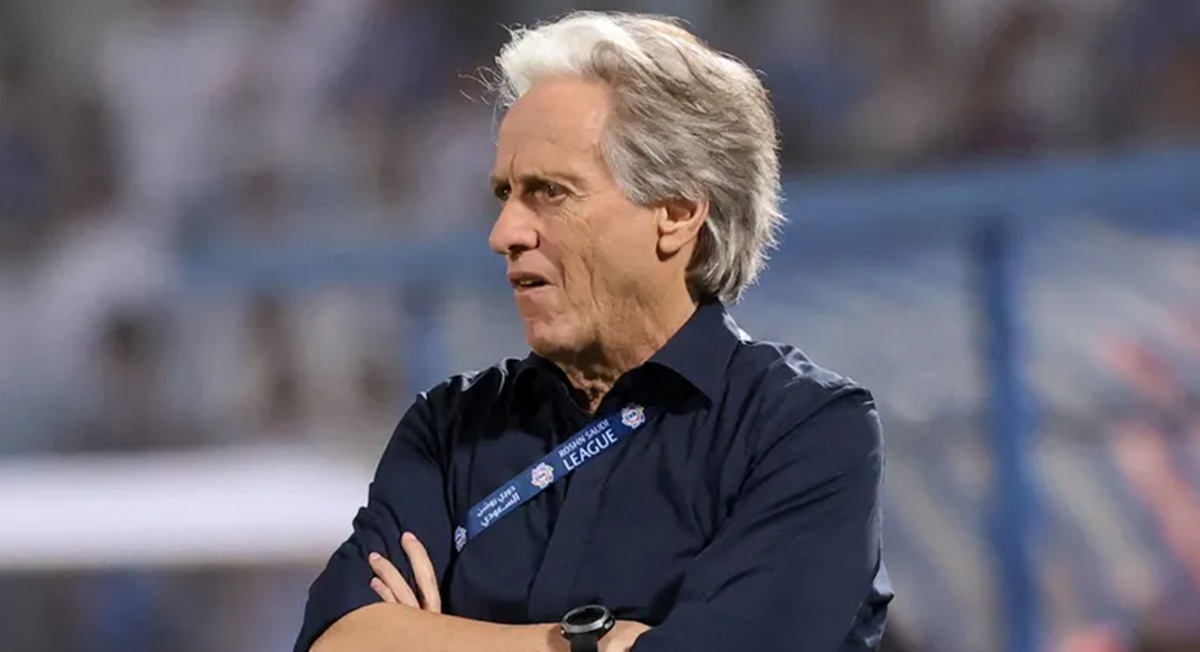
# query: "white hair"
[[688, 122]]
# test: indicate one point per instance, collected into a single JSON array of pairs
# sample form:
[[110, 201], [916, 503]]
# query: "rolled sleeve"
[[407, 494], [795, 566]]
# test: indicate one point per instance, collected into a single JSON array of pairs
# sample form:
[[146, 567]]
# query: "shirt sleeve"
[[406, 495], [796, 559]]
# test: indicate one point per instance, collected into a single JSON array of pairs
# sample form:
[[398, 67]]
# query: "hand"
[[622, 636], [390, 585]]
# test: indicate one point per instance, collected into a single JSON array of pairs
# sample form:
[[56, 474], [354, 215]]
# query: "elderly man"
[[649, 477]]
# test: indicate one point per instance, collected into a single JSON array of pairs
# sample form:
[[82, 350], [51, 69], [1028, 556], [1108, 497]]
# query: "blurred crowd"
[[136, 133]]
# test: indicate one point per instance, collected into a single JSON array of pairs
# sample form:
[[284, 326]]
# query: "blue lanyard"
[[590, 441]]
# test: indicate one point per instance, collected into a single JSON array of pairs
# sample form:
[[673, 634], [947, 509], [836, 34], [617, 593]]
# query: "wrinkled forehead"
[[558, 123]]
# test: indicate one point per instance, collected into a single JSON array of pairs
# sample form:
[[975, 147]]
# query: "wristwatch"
[[584, 626]]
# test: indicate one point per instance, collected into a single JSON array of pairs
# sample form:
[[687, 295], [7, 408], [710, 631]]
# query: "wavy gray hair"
[[688, 121]]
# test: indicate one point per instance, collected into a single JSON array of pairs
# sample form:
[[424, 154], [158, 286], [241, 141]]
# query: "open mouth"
[[526, 281]]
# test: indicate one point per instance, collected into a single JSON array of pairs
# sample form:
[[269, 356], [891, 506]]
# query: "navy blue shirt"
[[744, 515]]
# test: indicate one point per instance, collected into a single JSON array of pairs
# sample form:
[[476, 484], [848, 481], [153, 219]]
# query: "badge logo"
[[542, 475], [633, 415], [460, 538]]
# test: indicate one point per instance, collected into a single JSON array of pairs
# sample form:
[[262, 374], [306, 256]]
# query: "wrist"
[[583, 627], [545, 636]]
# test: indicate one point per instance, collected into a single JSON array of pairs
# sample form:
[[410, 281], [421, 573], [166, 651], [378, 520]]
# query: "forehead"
[[557, 124]]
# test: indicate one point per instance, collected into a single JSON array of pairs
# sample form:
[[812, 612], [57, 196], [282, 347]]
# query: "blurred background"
[[236, 238]]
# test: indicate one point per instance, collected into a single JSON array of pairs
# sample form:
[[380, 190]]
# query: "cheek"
[[573, 248], [627, 251], [605, 250]]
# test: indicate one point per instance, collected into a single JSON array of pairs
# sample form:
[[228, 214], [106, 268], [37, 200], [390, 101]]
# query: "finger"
[[385, 571], [423, 573], [383, 591]]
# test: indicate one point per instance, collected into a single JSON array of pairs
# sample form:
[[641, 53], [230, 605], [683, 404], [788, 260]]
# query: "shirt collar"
[[699, 352]]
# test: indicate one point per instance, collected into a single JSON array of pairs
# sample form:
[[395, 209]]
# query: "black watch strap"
[[585, 643]]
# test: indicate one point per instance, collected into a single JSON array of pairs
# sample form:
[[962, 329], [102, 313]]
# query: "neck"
[[632, 340]]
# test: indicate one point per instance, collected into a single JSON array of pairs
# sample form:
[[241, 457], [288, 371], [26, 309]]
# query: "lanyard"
[[590, 441]]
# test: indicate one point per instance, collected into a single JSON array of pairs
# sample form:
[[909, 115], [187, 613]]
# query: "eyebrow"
[[533, 178]]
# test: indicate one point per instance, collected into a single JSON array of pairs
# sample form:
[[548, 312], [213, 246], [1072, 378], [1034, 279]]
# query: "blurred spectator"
[[130, 411], [1171, 113], [902, 118], [1059, 81], [816, 76], [348, 342], [1160, 643], [86, 177], [25, 174], [100, 267], [1153, 55], [993, 122], [395, 64], [263, 206], [283, 85], [391, 73], [103, 269], [167, 71], [1165, 633], [280, 403]]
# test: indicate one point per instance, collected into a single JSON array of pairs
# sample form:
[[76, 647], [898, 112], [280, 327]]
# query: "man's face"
[[581, 256]]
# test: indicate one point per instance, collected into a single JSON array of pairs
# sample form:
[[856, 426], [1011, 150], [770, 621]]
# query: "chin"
[[551, 338]]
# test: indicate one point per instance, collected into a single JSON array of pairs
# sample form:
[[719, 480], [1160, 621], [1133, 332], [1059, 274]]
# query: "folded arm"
[[408, 619], [385, 627], [407, 494]]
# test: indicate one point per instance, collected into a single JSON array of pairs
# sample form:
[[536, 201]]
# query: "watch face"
[[586, 620], [585, 616]]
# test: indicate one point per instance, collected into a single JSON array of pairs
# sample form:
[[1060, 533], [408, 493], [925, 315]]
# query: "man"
[[704, 491]]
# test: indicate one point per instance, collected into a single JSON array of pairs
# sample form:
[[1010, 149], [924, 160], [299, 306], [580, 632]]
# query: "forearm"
[[397, 628]]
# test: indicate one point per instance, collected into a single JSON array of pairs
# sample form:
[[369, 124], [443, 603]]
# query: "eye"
[[549, 190], [502, 191]]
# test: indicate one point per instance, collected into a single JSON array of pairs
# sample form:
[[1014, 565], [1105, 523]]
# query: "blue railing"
[[987, 211]]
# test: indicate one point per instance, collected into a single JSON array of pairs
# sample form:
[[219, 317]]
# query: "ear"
[[679, 224]]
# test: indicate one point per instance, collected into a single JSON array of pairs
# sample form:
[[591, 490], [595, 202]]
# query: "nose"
[[514, 230]]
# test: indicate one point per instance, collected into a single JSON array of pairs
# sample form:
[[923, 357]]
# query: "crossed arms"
[[791, 567], [408, 620]]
